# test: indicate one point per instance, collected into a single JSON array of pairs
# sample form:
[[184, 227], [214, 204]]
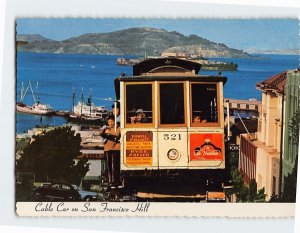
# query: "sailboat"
[[37, 108], [87, 111]]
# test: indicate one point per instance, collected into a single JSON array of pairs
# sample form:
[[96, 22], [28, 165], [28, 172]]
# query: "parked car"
[[56, 192], [95, 188], [87, 195]]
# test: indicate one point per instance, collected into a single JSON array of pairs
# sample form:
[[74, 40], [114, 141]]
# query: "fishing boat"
[[37, 108], [87, 111]]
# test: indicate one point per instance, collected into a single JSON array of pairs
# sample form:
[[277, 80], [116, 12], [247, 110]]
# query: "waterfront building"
[[291, 124], [259, 156], [170, 54]]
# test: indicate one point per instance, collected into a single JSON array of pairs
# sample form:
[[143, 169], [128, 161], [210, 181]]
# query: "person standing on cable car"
[[111, 135], [116, 111]]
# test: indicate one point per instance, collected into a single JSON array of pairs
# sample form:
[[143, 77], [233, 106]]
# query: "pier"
[[61, 113], [234, 104], [251, 105]]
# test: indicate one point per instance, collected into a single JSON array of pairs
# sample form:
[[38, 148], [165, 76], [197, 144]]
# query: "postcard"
[[156, 117]]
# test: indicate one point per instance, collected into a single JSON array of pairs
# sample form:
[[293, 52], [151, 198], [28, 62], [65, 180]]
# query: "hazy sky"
[[241, 34]]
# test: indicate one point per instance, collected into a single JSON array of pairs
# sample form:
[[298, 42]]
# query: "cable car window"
[[139, 103], [172, 103], [204, 103]]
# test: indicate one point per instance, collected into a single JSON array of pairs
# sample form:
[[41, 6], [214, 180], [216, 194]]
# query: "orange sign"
[[206, 147], [139, 148]]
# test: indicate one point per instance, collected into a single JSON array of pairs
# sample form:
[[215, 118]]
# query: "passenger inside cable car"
[[138, 105], [140, 117], [198, 119], [172, 100], [204, 103]]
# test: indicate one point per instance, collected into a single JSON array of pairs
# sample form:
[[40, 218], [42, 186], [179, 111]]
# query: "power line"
[[70, 96]]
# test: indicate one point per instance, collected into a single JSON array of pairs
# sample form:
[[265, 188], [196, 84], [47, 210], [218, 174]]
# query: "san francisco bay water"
[[55, 75]]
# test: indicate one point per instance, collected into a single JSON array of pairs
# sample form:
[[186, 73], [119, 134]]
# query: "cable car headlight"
[[173, 154]]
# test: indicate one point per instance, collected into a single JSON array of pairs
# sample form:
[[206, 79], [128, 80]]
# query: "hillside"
[[31, 37], [287, 51], [132, 41]]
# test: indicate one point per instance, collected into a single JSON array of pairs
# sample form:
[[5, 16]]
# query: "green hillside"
[[132, 41]]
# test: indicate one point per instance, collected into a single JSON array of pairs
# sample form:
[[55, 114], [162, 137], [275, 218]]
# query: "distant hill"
[[31, 37], [275, 51], [132, 41]]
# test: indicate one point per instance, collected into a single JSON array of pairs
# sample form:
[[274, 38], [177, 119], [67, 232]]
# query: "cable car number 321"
[[172, 136]]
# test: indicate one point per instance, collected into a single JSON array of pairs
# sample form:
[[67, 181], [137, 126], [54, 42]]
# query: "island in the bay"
[[136, 41]]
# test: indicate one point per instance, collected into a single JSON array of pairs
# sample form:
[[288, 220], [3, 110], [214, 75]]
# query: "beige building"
[[260, 153]]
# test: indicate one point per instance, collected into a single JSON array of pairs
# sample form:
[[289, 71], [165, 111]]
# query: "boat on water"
[[87, 111], [37, 108]]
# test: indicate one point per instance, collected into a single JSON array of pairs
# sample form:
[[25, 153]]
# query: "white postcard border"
[[15, 9], [154, 209]]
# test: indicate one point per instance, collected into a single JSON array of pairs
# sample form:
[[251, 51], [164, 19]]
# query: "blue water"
[[241, 83], [58, 74]]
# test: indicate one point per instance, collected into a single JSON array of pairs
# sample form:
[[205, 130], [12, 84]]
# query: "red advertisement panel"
[[206, 147]]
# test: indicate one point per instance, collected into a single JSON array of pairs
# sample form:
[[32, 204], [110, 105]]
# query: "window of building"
[[172, 110], [259, 124], [139, 106], [204, 104]]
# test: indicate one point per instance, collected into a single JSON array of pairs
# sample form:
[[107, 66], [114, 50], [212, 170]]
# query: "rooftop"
[[275, 83], [251, 125], [259, 144], [152, 64]]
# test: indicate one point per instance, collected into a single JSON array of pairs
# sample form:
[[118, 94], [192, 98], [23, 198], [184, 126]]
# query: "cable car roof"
[[150, 64]]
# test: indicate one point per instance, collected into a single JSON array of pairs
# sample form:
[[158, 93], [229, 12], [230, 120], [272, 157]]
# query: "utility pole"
[[81, 101], [228, 121], [73, 99], [115, 113], [281, 144]]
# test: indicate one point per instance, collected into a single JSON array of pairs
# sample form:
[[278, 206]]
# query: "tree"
[[290, 185], [234, 159], [245, 193], [260, 196], [51, 154], [239, 188], [252, 190]]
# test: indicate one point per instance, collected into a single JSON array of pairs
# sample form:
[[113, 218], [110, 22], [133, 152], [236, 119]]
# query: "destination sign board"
[[139, 148]]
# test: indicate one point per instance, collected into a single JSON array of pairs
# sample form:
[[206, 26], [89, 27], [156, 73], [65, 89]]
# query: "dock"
[[61, 113], [252, 105]]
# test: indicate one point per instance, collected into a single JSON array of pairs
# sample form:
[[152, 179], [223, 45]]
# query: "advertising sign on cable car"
[[206, 147], [139, 148]]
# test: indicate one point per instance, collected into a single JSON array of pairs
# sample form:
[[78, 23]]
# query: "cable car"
[[172, 123]]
